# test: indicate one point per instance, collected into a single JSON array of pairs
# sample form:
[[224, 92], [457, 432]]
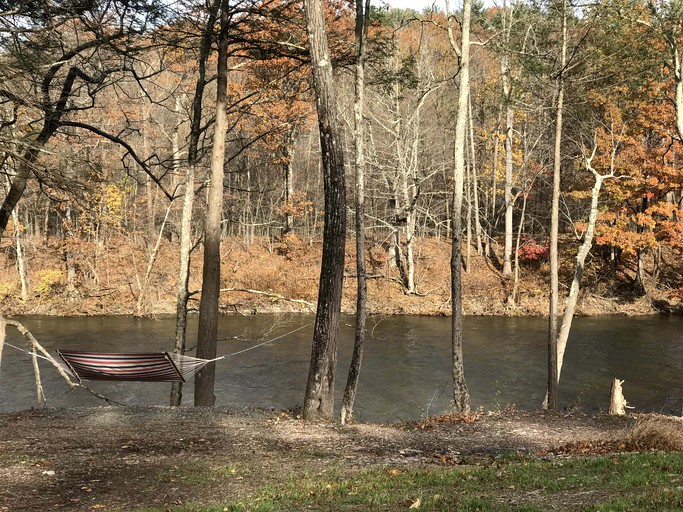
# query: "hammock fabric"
[[131, 366]]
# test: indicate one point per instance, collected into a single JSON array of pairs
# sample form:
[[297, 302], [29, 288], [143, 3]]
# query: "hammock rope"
[[136, 366]]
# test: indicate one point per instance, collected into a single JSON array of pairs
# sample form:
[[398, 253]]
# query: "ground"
[[124, 458], [259, 278]]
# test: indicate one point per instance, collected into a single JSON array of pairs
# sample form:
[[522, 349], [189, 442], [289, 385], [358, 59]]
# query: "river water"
[[406, 372]]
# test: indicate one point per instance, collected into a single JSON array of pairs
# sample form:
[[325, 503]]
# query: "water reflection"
[[406, 372]]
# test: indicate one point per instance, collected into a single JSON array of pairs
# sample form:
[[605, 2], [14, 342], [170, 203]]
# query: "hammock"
[[132, 366]]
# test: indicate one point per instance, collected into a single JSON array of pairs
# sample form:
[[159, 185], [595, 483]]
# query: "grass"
[[644, 482]]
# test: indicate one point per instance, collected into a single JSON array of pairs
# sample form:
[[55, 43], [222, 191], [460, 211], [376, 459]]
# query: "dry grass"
[[655, 433]]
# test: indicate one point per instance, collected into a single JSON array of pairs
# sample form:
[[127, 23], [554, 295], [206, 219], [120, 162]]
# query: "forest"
[[154, 150], [105, 107]]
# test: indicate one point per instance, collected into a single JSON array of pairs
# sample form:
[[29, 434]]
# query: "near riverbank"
[[282, 276], [163, 459]]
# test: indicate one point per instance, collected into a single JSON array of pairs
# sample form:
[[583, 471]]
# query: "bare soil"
[[123, 458]]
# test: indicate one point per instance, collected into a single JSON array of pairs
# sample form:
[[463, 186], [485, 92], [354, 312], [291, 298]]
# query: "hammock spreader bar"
[[131, 366]]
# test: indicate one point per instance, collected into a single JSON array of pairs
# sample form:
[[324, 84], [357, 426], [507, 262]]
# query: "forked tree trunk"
[[319, 398], [461, 395], [186, 222], [584, 249], [207, 332], [362, 22]]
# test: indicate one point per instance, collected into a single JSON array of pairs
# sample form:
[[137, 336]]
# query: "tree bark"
[[186, 222], [509, 203], [207, 332], [362, 23], [183, 278], [509, 120], [584, 249], [461, 396], [21, 261], [553, 377], [319, 398], [617, 402], [475, 182]]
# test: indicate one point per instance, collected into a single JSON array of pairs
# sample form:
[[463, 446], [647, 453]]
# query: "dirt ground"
[[123, 458]]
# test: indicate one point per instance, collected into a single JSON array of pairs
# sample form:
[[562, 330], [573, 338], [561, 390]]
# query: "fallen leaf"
[[416, 504]]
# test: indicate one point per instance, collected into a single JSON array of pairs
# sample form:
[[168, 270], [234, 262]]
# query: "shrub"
[[49, 280], [532, 251]]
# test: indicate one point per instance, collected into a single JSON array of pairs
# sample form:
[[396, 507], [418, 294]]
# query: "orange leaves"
[[298, 206]]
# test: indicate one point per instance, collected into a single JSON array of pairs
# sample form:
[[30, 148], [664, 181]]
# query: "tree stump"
[[617, 405]]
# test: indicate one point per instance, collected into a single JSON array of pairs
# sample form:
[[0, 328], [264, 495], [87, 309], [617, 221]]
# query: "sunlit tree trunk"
[[584, 249], [183, 294], [475, 182], [21, 261], [319, 398], [553, 376], [509, 135], [207, 332], [362, 22], [461, 395]]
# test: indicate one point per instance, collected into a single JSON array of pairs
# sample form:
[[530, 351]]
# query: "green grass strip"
[[626, 482]]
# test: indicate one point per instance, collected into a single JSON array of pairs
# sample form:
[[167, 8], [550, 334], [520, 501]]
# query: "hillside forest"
[[119, 118]]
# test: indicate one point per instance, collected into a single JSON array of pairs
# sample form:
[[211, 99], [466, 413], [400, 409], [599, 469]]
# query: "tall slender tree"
[[362, 23], [553, 372], [319, 398], [207, 333], [461, 395]]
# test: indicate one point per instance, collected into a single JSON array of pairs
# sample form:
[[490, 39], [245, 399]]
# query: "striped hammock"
[[131, 366]]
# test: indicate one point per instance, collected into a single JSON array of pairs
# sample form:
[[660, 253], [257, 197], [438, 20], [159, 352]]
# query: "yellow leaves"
[[577, 195], [113, 199], [48, 280], [416, 504]]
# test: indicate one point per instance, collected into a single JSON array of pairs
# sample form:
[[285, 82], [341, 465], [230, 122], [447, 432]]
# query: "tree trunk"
[[139, 308], [288, 155], [507, 254], [186, 222], [21, 262], [475, 183], [183, 279], [362, 23], [494, 183], [461, 396], [3, 335], [617, 402], [207, 332], [572, 298], [509, 120], [40, 394], [319, 398], [553, 376]]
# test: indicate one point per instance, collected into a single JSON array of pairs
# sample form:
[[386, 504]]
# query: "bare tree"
[[207, 332], [362, 23], [461, 395], [319, 398], [553, 376]]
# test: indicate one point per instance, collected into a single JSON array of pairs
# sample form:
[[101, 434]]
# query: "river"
[[406, 371]]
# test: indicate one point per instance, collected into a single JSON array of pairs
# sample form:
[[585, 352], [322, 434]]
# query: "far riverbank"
[[269, 276]]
